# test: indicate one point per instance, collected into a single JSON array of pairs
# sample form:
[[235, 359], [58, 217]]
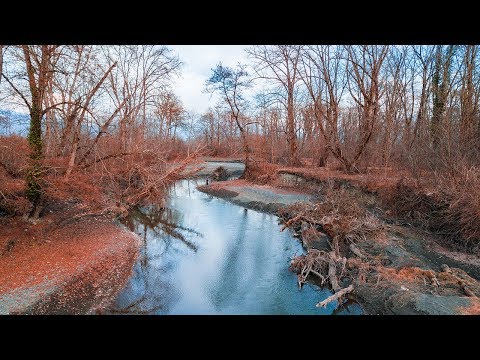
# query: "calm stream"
[[204, 255]]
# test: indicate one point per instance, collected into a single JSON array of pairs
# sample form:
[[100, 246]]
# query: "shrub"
[[14, 153]]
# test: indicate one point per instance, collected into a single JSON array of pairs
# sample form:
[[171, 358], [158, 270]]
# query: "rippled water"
[[204, 255]]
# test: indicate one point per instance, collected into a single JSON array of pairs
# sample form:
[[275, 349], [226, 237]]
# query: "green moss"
[[33, 190]]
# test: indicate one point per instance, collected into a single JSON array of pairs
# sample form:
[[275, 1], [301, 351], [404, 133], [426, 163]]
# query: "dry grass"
[[408, 274], [449, 207], [14, 154], [373, 180], [409, 203], [462, 215]]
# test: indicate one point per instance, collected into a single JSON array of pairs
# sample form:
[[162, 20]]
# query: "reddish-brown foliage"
[[13, 162], [450, 207], [14, 154], [261, 172]]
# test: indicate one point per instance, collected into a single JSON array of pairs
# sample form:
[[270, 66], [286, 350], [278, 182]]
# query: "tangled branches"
[[342, 218], [325, 266]]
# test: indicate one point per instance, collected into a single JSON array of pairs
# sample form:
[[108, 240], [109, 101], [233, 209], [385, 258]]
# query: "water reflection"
[[204, 255], [160, 221]]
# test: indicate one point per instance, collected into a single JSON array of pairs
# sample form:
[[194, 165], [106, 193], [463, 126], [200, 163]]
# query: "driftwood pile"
[[342, 223], [339, 258]]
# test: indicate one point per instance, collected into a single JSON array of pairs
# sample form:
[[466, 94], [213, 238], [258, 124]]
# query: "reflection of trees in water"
[[231, 274], [159, 224], [161, 221]]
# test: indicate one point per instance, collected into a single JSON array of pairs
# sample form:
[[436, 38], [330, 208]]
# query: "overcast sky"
[[198, 61]]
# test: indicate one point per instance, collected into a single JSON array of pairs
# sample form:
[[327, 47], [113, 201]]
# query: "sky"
[[198, 61]]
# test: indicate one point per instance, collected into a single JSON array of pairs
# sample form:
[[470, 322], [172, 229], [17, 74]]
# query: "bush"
[[14, 153], [220, 174], [13, 163], [341, 214], [260, 172]]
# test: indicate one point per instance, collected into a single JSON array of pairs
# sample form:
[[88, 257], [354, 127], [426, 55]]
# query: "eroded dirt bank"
[[75, 269], [403, 271]]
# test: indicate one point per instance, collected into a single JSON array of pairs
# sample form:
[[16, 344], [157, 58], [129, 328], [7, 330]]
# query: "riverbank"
[[78, 268], [404, 271], [69, 263], [202, 255], [258, 197]]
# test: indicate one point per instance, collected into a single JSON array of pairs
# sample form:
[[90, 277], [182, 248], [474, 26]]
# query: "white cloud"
[[198, 61]]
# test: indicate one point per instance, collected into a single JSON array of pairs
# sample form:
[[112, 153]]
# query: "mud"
[[258, 197]]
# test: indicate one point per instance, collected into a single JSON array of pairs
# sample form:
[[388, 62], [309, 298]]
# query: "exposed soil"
[[414, 272], [259, 197], [78, 268]]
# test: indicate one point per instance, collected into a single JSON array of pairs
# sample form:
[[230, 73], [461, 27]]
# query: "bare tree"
[[363, 80], [280, 64], [440, 89], [170, 112], [395, 89], [230, 84], [469, 97], [39, 66], [323, 73]]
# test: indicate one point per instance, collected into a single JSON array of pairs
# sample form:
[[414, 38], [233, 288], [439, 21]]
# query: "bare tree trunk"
[[441, 79], [467, 124], [291, 131], [37, 79], [73, 154]]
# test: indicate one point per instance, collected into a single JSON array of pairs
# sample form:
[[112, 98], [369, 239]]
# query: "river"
[[205, 255]]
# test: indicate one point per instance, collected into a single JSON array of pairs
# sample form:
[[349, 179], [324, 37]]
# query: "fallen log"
[[335, 296], [332, 272]]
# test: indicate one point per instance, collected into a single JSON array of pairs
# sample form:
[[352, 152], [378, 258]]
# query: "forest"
[[96, 131]]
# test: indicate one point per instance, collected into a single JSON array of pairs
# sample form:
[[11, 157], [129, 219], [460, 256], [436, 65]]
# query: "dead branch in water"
[[335, 296]]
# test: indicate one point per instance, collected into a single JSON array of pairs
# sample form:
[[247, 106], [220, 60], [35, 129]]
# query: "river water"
[[204, 255]]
